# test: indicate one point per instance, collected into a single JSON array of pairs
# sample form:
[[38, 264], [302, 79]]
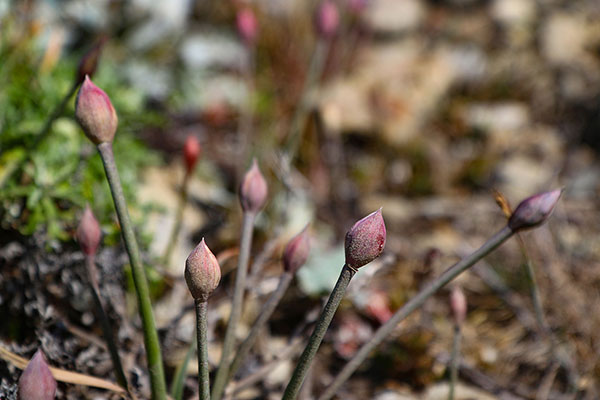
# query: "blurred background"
[[432, 110]]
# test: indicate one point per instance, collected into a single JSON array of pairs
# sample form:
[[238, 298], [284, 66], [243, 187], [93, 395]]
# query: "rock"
[[462, 392], [394, 16], [513, 12], [564, 39]]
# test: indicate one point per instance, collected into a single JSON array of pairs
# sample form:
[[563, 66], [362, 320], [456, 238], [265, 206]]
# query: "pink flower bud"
[[296, 251], [365, 240], [36, 381], [89, 62], [327, 18], [247, 25], [458, 305], [88, 232], [253, 190], [95, 113], [191, 152], [534, 210], [202, 272]]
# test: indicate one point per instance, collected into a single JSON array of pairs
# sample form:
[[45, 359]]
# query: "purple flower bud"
[[327, 18], [88, 232], [253, 190], [458, 305], [36, 381], [191, 152], [202, 272], [247, 25], [296, 251], [365, 240], [89, 62], [95, 113], [534, 210]]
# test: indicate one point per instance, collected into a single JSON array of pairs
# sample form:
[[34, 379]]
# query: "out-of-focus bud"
[[458, 305], [253, 190], [191, 152], [95, 113], [36, 381], [357, 6], [89, 62], [247, 25], [88, 232], [202, 272], [365, 240], [296, 251], [379, 306], [534, 210], [327, 18]]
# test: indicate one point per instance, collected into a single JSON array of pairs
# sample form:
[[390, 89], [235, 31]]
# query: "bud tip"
[[95, 113], [296, 251], [202, 272], [36, 381], [534, 210], [253, 190], [365, 240], [88, 232]]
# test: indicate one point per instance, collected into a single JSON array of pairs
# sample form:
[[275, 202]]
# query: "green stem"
[[414, 303], [154, 358], [183, 197], [265, 314], [454, 356], [18, 162], [236, 306], [202, 336], [104, 322], [293, 387], [180, 373]]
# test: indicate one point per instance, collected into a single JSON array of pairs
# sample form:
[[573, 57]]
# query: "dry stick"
[[105, 323], [236, 307], [265, 314], [416, 302], [293, 387], [202, 337], [151, 342], [454, 360], [16, 164]]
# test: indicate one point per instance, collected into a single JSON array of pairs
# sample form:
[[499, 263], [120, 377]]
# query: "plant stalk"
[[183, 198], [454, 357], [265, 314], [236, 307], [202, 337], [293, 387], [414, 303], [151, 342]]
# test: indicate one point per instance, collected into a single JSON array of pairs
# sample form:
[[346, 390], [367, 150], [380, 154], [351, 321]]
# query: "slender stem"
[[236, 306], [265, 314], [153, 355], [202, 336], [247, 112], [414, 303], [293, 387], [454, 356], [18, 162], [183, 197], [180, 373], [104, 322]]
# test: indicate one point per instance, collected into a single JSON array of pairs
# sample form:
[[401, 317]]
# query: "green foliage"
[[63, 172]]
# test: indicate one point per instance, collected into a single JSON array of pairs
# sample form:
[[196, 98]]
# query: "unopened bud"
[[327, 18], [296, 251], [89, 62], [88, 232], [95, 113], [247, 25], [365, 240], [191, 152], [534, 210], [202, 272], [253, 190], [36, 381], [458, 305]]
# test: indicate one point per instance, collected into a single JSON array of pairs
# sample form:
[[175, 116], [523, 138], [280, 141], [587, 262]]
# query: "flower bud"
[[89, 62], [202, 272], [247, 25], [88, 232], [296, 251], [365, 240], [95, 113], [534, 210], [253, 190], [191, 152], [327, 18], [458, 305], [36, 381]]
